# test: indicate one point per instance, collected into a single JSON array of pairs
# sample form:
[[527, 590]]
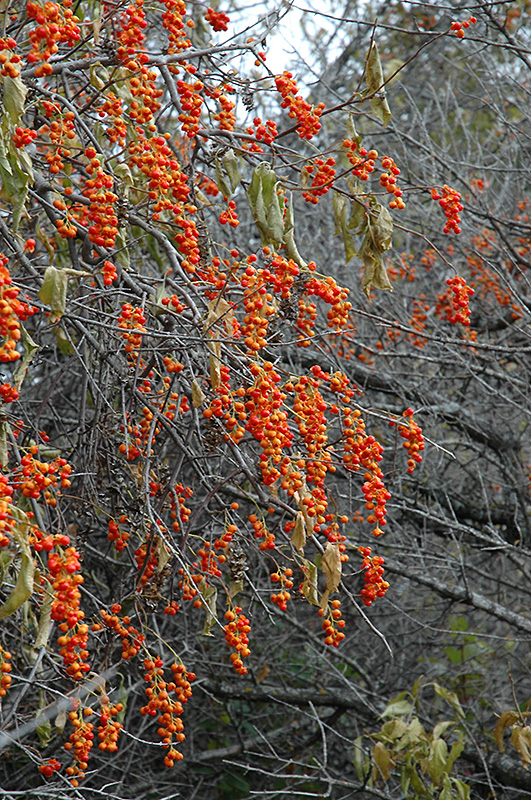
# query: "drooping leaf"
[[209, 596], [382, 759], [30, 348], [331, 568], [375, 273], [341, 207], [221, 181], [437, 760], [24, 583], [375, 79], [198, 395], [505, 720], [53, 291], [450, 698], [298, 536], [289, 239], [521, 741], [15, 183], [309, 584], [231, 164], [15, 91]]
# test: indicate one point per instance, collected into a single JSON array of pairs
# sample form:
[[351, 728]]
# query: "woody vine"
[[190, 448]]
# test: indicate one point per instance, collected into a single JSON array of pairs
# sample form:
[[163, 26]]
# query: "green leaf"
[[450, 698], [309, 584], [122, 253], [437, 760], [375, 79], [289, 241], [398, 708], [266, 206], [455, 752], [375, 273], [24, 585], [342, 223], [382, 230], [361, 762], [453, 654], [44, 730], [231, 164], [222, 184], [209, 595], [463, 790], [15, 182], [30, 348], [446, 791], [53, 291], [15, 91]]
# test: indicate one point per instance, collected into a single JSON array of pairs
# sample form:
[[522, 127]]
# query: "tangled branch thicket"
[[263, 520]]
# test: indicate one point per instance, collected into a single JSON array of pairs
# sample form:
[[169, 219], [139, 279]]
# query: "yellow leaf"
[[382, 759], [298, 537], [331, 566], [198, 396]]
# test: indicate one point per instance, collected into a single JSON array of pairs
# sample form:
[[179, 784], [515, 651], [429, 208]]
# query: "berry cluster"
[[229, 215], [362, 160], [8, 393], [283, 577], [109, 273], [131, 322], [262, 132], [364, 451], [388, 181], [449, 200], [12, 312], [49, 767], [374, 586], [23, 137], [460, 294], [80, 743], [132, 640], [109, 727], [118, 536], [34, 477], [104, 228], [5, 669], [65, 580], [261, 532], [332, 622], [307, 116], [236, 635], [412, 433], [9, 60], [161, 705], [322, 178], [217, 19], [457, 27], [55, 25]]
